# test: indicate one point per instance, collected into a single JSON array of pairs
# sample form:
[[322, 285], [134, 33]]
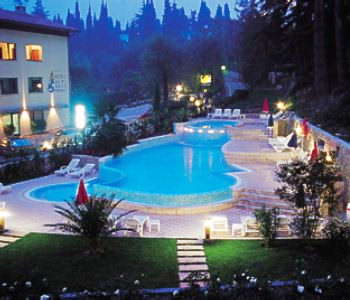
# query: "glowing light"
[[192, 98], [223, 68], [46, 145], [211, 131], [205, 79], [329, 157], [222, 131], [299, 130], [200, 130], [281, 106], [39, 85], [198, 103], [179, 88], [80, 116], [191, 130], [205, 90], [25, 123], [4, 214], [53, 120]]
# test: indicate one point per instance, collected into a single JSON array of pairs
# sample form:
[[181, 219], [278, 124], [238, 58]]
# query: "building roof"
[[22, 21], [130, 114]]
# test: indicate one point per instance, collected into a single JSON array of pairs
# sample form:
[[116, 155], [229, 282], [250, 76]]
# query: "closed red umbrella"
[[82, 196], [305, 127], [266, 106], [315, 153]]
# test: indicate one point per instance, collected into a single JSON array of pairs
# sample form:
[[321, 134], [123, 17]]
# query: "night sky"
[[123, 10]]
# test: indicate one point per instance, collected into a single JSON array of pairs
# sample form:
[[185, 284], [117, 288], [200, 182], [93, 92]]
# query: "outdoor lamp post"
[[281, 106], [207, 229], [179, 88], [223, 68]]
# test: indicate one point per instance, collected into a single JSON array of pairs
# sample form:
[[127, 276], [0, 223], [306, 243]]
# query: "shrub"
[[267, 222], [337, 231], [9, 129]]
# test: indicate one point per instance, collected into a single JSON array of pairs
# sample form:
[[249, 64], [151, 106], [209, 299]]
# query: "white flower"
[[248, 277], [234, 283], [44, 297], [318, 290], [175, 292], [206, 292], [117, 292], [142, 275], [85, 292], [121, 276], [329, 277], [342, 279], [218, 279], [28, 284], [4, 284], [300, 289], [303, 272], [137, 282], [64, 290], [243, 274]]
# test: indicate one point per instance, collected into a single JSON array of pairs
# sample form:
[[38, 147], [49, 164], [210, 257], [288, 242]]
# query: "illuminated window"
[[35, 85], [8, 86], [34, 52], [7, 51]]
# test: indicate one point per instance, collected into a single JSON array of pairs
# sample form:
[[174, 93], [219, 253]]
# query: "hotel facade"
[[34, 73]]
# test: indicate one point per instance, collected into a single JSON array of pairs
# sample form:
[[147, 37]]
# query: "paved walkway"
[[192, 262], [7, 239]]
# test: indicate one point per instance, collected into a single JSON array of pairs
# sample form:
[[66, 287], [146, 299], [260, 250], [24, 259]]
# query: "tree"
[[267, 223], [92, 220], [39, 9]]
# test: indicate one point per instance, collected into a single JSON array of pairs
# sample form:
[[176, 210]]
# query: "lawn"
[[61, 259], [227, 257]]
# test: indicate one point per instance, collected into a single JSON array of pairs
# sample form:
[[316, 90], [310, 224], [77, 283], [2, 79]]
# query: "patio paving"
[[31, 216]]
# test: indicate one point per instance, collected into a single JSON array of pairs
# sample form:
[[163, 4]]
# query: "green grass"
[[278, 263], [61, 259]]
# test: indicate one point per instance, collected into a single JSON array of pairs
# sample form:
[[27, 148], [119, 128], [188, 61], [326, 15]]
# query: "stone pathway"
[[191, 258], [7, 239]]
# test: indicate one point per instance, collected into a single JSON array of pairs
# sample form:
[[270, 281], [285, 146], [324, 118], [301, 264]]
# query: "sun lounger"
[[71, 167], [5, 189], [134, 225], [227, 113], [236, 114], [154, 224], [219, 224], [86, 170], [217, 113]]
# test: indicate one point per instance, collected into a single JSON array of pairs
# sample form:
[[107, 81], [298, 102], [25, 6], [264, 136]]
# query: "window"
[[35, 84], [7, 51], [8, 86], [34, 53]]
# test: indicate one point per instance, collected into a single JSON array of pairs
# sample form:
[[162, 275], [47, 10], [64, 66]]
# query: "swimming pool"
[[173, 173]]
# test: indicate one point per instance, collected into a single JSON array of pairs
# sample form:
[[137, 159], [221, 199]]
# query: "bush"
[[337, 231], [267, 222], [9, 130]]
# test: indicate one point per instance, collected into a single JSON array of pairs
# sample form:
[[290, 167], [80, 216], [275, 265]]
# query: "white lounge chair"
[[86, 170], [71, 167], [280, 140], [133, 225], [236, 113], [217, 113], [250, 225], [154, 224], [219, 224], [227, 113], [5, 188], [278, 115]]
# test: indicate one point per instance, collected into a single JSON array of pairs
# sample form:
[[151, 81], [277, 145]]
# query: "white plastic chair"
[[86, 170], [217, 113], [5, 189], [71, 167], [236, 113], [227, 113]]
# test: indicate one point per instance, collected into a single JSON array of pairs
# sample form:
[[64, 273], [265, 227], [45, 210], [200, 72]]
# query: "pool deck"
[[30, 216]]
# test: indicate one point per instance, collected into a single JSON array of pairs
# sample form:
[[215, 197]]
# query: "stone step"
[[192, 260], [185, 285], [190, 242], [183, 276], [193, 268], [190, 247], [3, 244], [190, 253], [8, 239]]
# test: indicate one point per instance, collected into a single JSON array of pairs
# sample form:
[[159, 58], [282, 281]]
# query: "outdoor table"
[[142, 220]]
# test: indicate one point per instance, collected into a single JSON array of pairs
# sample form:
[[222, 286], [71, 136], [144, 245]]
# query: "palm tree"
[[92, 220]]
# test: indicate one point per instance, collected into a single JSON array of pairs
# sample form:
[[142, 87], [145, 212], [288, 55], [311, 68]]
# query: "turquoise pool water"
[[171, 174]]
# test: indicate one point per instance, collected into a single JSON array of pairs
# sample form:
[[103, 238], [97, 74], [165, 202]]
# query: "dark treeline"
[[129, 63]]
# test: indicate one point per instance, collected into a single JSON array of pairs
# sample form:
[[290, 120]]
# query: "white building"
[[33, 63]]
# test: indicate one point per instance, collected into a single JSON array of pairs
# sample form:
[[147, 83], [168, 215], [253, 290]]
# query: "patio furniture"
[[278, 115], [154, 224], [237, 229], [142, 220], [86, 170], [283, 225], [227, 113], [236, 113], [71, 167], [280, 140], [217, 113], [219, 224], [134, 225], [249, 225], [5, 188]]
